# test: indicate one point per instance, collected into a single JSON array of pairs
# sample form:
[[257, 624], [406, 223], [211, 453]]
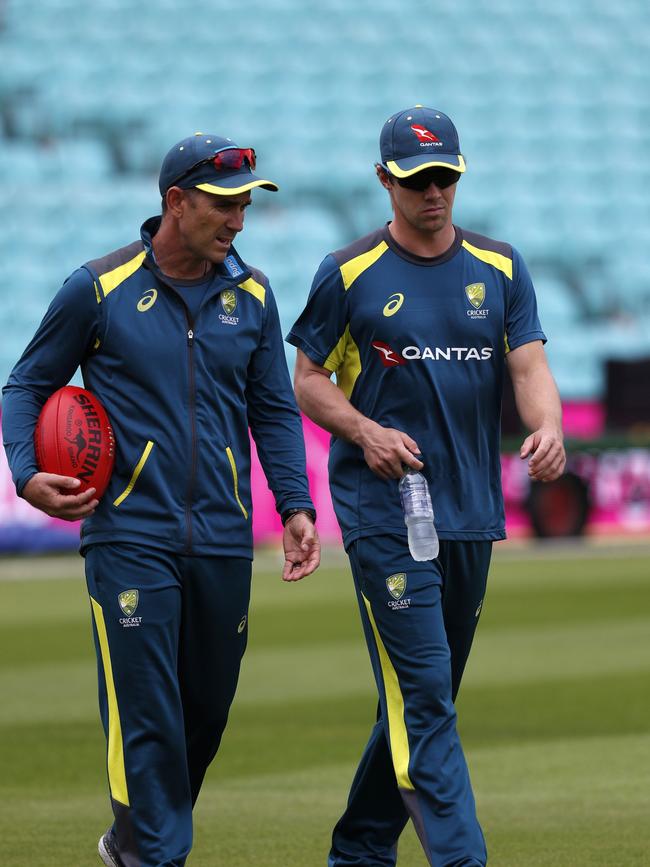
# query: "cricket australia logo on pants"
[[396, 586], [128, 601]]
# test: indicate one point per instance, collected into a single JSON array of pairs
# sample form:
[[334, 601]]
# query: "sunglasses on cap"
[[441, 177], [227, 160]]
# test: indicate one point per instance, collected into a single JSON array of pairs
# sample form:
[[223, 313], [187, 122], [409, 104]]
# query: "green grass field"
[[554, 715]]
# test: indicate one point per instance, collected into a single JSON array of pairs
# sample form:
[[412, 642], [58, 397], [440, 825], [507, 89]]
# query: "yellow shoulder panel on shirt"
[[345, 361], [352, 269], [497, 260], [255, 289], [112, 279]]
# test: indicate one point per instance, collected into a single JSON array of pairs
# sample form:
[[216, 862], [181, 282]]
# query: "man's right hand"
[[386, 449], [55, 495]]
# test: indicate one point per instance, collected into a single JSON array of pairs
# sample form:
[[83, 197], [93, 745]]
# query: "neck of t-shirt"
[[410, 256]]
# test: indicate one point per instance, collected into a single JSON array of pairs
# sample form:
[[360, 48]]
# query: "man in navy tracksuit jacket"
[[180, 340]]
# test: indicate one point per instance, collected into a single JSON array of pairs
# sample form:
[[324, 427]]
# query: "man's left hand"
[[301, 547], [548, 455]]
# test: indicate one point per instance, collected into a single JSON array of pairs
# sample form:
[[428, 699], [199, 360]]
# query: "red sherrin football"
[[73, 437]]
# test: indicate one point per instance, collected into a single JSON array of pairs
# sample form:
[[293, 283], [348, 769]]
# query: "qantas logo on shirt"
[[424, 134], [392, 358], [387, 355]]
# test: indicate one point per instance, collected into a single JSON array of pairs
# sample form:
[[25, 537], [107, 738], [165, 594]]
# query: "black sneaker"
[[107, 848]]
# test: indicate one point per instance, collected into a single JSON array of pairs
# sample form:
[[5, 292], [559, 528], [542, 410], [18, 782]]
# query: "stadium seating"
[[551, 106]]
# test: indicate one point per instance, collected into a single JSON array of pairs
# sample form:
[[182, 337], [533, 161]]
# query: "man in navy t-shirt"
[[418, 321]]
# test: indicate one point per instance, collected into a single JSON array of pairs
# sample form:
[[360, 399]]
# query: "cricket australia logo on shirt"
[[475, 294], [228, 300], [128, 601], [396, 586]]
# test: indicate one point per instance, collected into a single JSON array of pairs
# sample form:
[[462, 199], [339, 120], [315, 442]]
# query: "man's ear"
[[384, 177], [175, 198]]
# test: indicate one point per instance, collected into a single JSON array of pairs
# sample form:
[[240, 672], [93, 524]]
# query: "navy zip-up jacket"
[[181, 395]]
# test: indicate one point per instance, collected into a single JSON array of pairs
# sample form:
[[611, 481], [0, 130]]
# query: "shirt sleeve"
[[522, 322], [63, 339], [274, 417], [321, 329]]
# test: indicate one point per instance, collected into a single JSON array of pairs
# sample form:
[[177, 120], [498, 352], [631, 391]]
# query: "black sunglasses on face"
[[441, 177]]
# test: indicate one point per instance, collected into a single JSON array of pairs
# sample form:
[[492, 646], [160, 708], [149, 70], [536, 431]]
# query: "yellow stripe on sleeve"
[[116, 767], [345, 361], [399, 744], [497, 260], [112, 279]]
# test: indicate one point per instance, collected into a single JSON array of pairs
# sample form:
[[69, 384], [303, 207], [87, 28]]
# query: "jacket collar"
[[232, 270]]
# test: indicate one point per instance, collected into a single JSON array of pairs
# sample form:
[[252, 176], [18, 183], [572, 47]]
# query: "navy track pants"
[[170, 633], [419, 621]]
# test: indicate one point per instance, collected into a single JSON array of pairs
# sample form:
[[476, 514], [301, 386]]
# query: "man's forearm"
[[385, 450], [537, 399], [324, 402]]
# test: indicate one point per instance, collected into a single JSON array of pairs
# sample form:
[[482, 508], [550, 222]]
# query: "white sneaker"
[[108, 850]]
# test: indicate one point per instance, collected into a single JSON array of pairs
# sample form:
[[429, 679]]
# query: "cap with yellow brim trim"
[[227, 183], [189, 164], [419, 138]]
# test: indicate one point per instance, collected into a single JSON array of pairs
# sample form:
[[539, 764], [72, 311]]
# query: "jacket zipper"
[[192, 409]]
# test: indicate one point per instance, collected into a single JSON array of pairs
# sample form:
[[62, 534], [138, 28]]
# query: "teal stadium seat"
[[552, 109]]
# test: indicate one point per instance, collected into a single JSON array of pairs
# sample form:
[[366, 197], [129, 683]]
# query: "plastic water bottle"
[[418, 516]]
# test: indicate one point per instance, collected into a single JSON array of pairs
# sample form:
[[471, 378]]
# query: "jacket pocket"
[[235, 482], [136, 472]]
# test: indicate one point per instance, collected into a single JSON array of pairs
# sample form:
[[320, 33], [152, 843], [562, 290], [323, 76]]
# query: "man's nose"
[[235, 221]]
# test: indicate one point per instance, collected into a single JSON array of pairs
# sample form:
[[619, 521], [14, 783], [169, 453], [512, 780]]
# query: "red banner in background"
[[618, 480]]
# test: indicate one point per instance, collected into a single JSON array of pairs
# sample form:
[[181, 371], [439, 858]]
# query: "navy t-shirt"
[[193, 291], [419, 345]]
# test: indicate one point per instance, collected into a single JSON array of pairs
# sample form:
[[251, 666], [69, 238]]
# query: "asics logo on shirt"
[[393, 304], [147, 300]]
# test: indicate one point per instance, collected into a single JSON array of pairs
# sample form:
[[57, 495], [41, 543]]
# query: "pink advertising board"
[[25, 528], [619, 485]]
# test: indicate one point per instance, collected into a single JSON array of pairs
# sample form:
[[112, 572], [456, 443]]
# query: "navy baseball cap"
[[419, 138], [210, 163]]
